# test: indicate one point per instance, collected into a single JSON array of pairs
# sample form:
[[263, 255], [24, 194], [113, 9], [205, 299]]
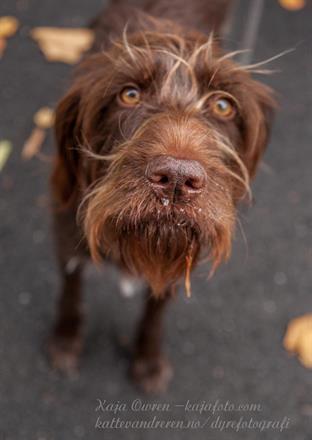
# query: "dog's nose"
[[176, 179]]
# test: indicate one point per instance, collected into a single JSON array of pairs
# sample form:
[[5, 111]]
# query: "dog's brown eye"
[[223, 108], [130, 96]]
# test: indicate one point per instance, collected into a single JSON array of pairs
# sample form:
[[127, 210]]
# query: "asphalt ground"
[[226, 341]]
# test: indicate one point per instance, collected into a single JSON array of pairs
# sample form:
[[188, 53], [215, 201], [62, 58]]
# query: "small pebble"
[[269, 307], [72, 265], [301, 230], [306, 410], [38, 237], [24, 298], [188, 348], [280, 279], [218, 372], [79, 431]]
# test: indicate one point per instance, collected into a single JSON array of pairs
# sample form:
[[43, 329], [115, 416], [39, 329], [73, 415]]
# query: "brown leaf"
[[63, 44], [8, 26], [3, 45], [34, 143], [187, 281], [298, 339]]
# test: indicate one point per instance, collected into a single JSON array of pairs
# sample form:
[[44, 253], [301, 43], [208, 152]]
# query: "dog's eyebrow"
[[175, 56], [208, 46], [126, 42], [222, 92]]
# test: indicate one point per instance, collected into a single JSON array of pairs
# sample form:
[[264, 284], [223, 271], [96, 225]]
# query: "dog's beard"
[[159, 243], [156, 250]]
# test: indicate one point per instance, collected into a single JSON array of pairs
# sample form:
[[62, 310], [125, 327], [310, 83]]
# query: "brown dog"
[[157, 141]]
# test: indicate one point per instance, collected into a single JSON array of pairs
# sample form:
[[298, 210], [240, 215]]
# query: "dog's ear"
[[259, 109], [67, 134]]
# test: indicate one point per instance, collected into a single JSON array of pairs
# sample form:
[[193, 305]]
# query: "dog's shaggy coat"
[[158, 139]]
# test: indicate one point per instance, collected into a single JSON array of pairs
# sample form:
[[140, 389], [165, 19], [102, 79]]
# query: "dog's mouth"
[[165, 213], [161, 246], [164, 226]]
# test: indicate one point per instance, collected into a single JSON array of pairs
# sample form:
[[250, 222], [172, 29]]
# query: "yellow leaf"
[[298, 339], [44, 118], [5, 151], [63, 44], [8, 26]]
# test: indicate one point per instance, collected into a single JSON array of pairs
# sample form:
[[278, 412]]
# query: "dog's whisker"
[[244, 237], [250, 67], [228, 149], [264, 71], [232, 54], [95, 156]]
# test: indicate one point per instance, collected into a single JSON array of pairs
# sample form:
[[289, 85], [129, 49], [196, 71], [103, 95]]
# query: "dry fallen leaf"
[[8, 26], [292, 5], [63, 44], [5, 151], [298, 339], [44, 118], [3, 45], [34, 143]]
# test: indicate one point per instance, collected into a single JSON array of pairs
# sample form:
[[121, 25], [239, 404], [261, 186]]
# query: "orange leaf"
[[34, 143], [44, 118], [8, 26], [298, 339], [292, 5]]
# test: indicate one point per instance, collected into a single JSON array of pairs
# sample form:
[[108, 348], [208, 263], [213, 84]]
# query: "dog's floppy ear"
[[67, 134], [259, 108]]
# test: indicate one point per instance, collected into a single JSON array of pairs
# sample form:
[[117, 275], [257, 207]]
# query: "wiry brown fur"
[[110, 148], [104, 148], [146, 236]]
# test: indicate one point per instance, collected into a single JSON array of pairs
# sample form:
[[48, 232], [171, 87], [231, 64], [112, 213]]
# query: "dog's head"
[[159, 136]]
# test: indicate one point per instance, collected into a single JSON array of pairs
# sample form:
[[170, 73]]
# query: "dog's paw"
[[64, 354], [152, 375]]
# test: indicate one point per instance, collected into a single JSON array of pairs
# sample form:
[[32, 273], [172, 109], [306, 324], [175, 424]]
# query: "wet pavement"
[[226, 341]]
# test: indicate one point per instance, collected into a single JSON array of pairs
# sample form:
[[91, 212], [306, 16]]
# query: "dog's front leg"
[[65, 343], [150, 369]]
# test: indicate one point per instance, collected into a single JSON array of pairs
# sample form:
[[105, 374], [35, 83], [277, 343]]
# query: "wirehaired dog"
[[158, 139]]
